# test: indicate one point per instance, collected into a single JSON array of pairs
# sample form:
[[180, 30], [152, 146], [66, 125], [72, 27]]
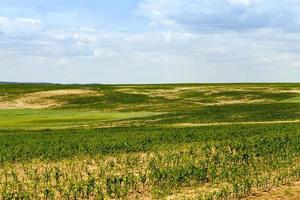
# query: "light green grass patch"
[[292, 100], [19, 119]]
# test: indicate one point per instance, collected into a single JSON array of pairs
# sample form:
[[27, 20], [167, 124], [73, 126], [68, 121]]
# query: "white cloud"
[[19, 26], [95, 55], [245, 2], [180, 53], [220, 15]]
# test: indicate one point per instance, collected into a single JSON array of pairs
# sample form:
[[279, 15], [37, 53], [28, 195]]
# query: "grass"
[[55, 119], [292, 100], [131, 142]]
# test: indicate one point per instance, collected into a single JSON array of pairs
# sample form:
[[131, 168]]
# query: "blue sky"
[[150, 41]]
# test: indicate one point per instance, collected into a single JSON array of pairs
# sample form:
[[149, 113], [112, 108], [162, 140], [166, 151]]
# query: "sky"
[[149, 41]]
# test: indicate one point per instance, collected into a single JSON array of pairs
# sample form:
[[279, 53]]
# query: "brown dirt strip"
[[182, 125], [287, 192]]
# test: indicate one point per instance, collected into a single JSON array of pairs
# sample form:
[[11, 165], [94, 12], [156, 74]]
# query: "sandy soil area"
[[44, 99]]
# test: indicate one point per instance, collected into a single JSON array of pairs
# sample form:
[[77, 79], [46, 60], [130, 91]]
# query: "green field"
[[58, 119], [176, 141]]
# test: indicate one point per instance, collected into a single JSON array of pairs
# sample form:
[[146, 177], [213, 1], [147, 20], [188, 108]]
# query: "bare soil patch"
[[180, 125], [44, 99], [287, 192]]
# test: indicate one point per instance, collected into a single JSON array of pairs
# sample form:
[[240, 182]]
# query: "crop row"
[[215, 170], [19, 146]]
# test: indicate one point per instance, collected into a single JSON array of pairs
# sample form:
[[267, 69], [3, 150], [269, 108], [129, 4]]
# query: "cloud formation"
[[224, 15], [195, 41], [19, 26]]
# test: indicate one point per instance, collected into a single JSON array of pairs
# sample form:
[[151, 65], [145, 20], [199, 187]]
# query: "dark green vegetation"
[[147, 141], [58, 144]]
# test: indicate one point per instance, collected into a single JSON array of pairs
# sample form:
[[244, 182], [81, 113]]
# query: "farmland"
[[176, 141]]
